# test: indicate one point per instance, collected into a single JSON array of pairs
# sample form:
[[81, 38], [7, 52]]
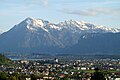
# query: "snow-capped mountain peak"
[[114, 30], [73, 26], [33, 24], [86, 27]]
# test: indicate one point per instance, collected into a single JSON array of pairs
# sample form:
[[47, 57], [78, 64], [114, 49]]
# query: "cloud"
[[92, 12], [44, 2], [37, 2]]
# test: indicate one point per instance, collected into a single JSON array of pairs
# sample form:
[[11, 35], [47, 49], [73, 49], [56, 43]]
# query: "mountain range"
[[41, 36]]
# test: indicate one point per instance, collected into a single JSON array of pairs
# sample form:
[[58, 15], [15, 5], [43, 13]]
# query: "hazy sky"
[[100, 12]]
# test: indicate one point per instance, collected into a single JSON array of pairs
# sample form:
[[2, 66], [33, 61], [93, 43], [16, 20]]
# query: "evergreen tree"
[[3, 76], [98, 75]]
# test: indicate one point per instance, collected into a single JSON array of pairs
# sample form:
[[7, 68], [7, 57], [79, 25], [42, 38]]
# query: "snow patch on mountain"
[[35, 24]]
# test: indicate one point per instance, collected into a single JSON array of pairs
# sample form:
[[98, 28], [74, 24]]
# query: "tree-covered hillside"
[[4, 60]]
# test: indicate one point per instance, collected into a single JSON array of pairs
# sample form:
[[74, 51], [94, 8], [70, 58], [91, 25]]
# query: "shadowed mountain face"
[[107, 43], [39, 36]]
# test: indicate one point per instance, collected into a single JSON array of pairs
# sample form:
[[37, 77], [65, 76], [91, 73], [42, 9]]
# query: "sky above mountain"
[[100, 12]]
